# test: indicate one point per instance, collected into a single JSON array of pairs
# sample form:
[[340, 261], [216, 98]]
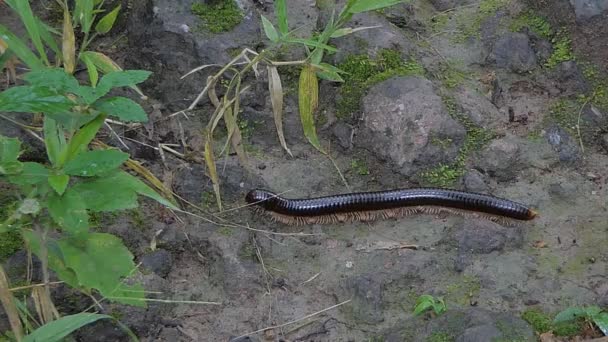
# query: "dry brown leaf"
[[276, 98], [539, 244], [10, 308], [210, 161], [68, 46]]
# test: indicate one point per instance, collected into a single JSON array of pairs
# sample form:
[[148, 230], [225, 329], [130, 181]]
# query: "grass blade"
[[68, 43], [31, 25], [281, 13], [210, 161], [20, 49], [308, 98], [269, 30], [276, 98], [370, 5], [61, 328]]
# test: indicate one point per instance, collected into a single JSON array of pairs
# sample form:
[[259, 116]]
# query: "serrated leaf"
[[59, 183], [93, 163], [269, 30], [308, 99], [276, 99], [21, 50], [122, 108], [54, 79], [281, 13], [80, 141], [105, 24], [57, 330], [106, 194], [68, 43], [28, 99], [69, 212], [101, 262], [370, 5], [569, 315], [31, 174], [10, 148]]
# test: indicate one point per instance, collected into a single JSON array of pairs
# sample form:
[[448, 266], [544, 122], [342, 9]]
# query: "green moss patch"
[[220, 16], [542, 323], [562, 50], [534, 22], [363, 72], [440, 337], [469, 21]]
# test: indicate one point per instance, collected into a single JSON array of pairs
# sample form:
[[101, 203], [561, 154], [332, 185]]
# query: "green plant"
[[54, 200], [359, 167], [562, 50], [429, 303], [220, 16], [534, 22], [590, 314]]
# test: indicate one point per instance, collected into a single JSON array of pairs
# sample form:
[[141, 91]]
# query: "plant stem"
[[44, 259]]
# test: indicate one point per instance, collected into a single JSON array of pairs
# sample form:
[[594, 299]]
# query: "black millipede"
[[368, 206]]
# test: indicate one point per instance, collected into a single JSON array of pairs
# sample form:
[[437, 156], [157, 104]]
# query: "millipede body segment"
[[367, 206]]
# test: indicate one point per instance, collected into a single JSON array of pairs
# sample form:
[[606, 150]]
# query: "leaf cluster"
[[427, 303]]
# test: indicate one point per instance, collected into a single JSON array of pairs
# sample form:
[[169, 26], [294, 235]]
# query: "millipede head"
[[259, 198]]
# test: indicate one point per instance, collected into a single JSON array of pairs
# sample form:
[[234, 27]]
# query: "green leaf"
[[141, 188], [31, 25], [69, 212], [101, 262], [308, 98], [281, 13], [52, 141], [9, 149], [21, 50], [57, 330], [83, 14], [106, 194], [55, 257], [105, 24], [46, 33], [269, 30], [370, 5], [11, 167], [92, 70], [28, 99], [601, 320], [329, 72], [569, 314], [124, 78], [54, 79], [122, 108], [312, 43], [31, 174], [93, 163], [80, 141], [103, 63], [59, 183], [422, 307]]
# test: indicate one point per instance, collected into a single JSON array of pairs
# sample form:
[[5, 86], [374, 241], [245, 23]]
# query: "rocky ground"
[[481, 95]]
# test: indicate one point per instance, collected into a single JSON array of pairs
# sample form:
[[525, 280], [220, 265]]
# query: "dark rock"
[[159, 261], [542, 47], [483, 236], [603, 300], [474, 181], [344, 134], [479, 108], [442, 5], [587, 9], [569, 79], [513, 51], [501, 159], [480, 333], [462, 261], [563, 144], [366, 299], [402, 116], [16, 267], [594, 118], [604, 141]]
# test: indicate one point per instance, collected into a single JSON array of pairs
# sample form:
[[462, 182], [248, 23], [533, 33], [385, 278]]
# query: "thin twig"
[[291, 322], [19, 288], [166, 300]]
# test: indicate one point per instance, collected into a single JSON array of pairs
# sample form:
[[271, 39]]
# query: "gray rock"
[[462, 261], [513, 51], [474, 181], [563, 191], [482, 236], [442, 5], [367, 299], [343, 134], [402, 116], [159, 261], [569, 79], [479, 109], [480, 333], [603, 300], [587, 9], [595, 118], [567, 149], [604, 141], [501, 159]]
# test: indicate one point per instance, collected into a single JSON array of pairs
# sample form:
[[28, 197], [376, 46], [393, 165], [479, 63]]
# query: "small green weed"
[[590, 314], [222, 16], [359, 167], [469, 21], [534, 22], [562, 50], [440, 337], [427, 303], [542, 323]]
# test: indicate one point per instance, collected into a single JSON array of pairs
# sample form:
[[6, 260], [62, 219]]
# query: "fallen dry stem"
[[291, 322]]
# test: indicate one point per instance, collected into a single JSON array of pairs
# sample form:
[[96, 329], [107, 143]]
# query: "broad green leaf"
[[52, 141], [103, 63], [93, 163], [92, 70], [134, 183], [59, 183], [269, 30], [308, 98], [329, 72], [370, 5], [9, 149], [57, 330], [55, 257], [80, 141], [54, 79], [122, 108], [68, 43], [83, 14], [124, 78], [31, 174], [28, 99], [101, 262], [422, 307], [20, 49], [31, 25], [105, 24], [69, 212], [281, 13], [11, 167], [106, 194], [601, 320], [312, 43], [569, 315]]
